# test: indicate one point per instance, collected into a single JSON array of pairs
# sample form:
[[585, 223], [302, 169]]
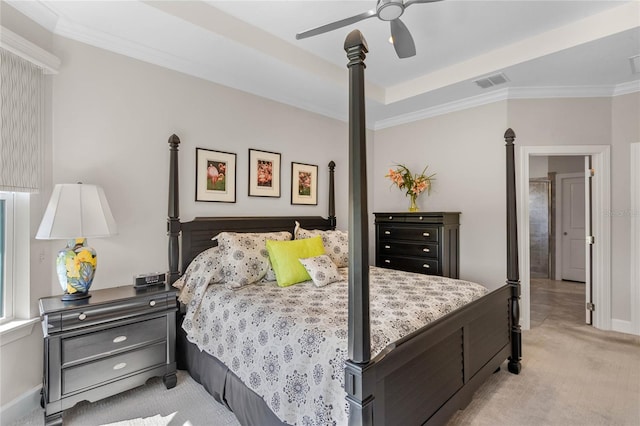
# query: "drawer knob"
[[387, 261], [387, 247], [425, 266], [387, 232], [426, 250], [119, 339], [390, 217], [120, 366], [152, 303], [420, 218], [82, 316], [425, 234]]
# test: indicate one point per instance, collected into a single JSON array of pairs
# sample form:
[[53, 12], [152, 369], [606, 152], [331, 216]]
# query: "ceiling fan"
[[386, 10]]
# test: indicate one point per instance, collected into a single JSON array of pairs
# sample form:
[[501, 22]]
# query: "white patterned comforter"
[[289, 344]]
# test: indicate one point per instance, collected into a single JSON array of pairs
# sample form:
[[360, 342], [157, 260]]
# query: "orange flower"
[[414, 184]]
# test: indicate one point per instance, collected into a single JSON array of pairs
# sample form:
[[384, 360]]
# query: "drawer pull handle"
[[420, 218], [82, 316], [387, 232], [425, 266], [387, 261], [119, 339], [426, 250], [387, 247], [390, 217], [120, 366], [152, 303], [425, 234]]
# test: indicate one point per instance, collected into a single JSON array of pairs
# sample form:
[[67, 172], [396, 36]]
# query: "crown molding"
[[28, 51], [627, 88], [449, 107], [512, 93]]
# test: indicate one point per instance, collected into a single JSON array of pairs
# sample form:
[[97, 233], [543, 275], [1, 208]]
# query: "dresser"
[[111, 342], [423, 242]]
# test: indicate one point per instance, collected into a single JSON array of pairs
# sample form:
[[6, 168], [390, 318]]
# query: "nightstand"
[[111, 342]]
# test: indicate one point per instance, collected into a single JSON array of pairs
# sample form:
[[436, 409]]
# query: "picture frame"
[[215, 176], [304, 184], [264, 173]]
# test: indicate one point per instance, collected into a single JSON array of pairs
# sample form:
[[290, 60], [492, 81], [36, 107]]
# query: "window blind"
[[21, 111]]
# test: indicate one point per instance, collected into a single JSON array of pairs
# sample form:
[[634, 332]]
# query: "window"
[[7, 250]]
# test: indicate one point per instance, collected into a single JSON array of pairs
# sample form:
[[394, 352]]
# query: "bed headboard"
[[197, 234]]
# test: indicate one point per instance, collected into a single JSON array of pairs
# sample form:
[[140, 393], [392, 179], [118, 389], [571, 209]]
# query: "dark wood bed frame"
[[427, 376]]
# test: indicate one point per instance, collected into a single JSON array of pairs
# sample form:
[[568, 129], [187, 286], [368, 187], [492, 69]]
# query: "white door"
[[573, 229], [589, 246]]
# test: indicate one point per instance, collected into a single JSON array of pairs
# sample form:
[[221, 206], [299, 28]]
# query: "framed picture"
[[215, 176], [304, 184], [264, 174]]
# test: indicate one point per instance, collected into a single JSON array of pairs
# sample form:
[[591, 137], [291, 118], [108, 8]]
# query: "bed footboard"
[[430, 374]]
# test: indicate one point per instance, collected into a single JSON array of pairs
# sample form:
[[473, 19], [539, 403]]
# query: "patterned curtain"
[[21, 110]]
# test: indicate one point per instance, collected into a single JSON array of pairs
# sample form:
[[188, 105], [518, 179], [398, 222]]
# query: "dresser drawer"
[[95, 373], [112, 340], [413, 233], [390, 218], [408, 249], [410, 264]]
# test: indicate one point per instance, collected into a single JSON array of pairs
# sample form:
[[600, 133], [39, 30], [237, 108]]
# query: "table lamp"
[[76, 212]]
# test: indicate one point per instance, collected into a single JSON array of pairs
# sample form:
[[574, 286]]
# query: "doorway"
[[601, 225]]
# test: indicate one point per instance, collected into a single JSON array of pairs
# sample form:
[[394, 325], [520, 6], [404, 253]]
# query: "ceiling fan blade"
[[410, 2], [402, 40], [335, 25]]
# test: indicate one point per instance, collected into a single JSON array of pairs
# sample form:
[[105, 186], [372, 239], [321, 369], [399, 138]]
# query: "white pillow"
[[245, 256], [321, 269], [204, 269], [336, 244]]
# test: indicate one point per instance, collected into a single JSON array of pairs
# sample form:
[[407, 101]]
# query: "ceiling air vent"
[[635, 64], [492, 80]]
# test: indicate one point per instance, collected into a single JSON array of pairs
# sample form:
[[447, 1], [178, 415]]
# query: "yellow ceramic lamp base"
[[76, 267]]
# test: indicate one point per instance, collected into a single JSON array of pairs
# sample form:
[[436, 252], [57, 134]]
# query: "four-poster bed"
[[422, 377]]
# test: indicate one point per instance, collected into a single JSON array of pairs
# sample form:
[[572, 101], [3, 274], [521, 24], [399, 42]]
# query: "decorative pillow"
[[284, 257], [204, 269], [336, 244], [245, 256], [321, 269]]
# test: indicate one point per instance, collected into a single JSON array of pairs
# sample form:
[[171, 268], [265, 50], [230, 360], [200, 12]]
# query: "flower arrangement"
[[412, 184]]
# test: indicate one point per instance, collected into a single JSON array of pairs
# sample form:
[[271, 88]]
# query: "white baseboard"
[[621, 326], [21, 406]]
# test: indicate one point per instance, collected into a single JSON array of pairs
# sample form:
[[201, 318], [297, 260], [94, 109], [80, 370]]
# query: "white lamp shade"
[[77, 210]]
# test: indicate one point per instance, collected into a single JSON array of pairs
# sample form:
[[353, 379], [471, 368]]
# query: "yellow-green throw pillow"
[[284, 257]]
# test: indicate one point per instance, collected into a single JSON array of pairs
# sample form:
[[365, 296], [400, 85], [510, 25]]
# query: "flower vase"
[[76, 267], [413, 207]]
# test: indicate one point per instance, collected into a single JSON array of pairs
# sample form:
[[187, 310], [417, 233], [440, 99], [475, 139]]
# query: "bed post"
[[358, 383], [513, 276], [332, 195], [173, 220]]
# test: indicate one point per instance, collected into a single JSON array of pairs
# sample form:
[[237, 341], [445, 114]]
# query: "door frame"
[[635, 238], [601, 206]]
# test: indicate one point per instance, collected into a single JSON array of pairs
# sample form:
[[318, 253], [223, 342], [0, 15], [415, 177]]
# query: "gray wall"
[[111, 118]]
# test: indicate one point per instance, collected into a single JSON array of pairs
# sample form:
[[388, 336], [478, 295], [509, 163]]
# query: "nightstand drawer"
[[95, 373], [408, 249], [422, 233], [409, 264], [93, 315], [112, 340]]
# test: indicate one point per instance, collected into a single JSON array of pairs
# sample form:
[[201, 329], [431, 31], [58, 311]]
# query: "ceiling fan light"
[[388, 10]]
